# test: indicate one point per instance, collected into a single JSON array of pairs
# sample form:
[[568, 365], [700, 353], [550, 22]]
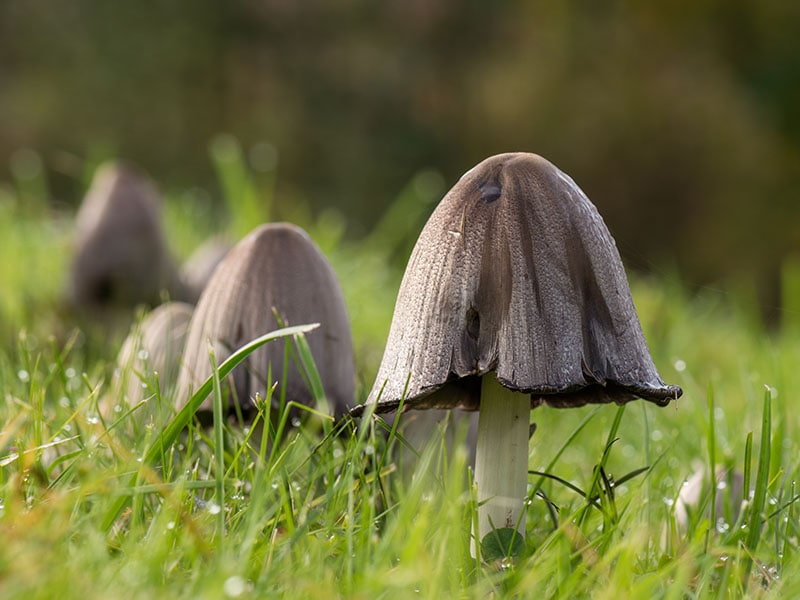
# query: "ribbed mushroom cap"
[[515, 272], [276, 266], [154, 345], [121, 254]]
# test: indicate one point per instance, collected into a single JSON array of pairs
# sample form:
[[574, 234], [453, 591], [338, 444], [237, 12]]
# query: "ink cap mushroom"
[[121, 254], [148, 364], [275, 268], [514, 296]]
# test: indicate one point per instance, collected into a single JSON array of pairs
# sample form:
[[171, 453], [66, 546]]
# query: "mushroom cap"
[[277, 266], [515, 273], [121, 254], [154, 345], [196, 272]]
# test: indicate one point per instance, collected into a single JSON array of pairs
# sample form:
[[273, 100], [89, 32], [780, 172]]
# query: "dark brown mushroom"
[[121, 255], [276, 267], [151, 353], [514, 296]]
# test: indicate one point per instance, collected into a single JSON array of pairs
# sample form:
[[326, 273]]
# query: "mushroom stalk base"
[[501, 460]]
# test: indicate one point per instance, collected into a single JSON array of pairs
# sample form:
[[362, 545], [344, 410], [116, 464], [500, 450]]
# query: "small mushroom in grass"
[[121, 254], [514, 296], [696, 493], [196, 272], [275, 268], [153, 348]]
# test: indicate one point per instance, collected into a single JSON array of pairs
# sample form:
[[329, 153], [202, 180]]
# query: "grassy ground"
[[91, 507]]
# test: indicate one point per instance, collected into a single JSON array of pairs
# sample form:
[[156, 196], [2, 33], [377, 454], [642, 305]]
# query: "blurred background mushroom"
[[148, 364], [122, 258], [196, 271], [514, 296], [694, 499], [275, 268]]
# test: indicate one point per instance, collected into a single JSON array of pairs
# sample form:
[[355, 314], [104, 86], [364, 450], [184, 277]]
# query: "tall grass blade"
[[219, 451], [762, 483], [712, 463], [599, 468], [748, 468], [246, 207]]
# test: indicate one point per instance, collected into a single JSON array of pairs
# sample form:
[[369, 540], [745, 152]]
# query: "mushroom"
[[154, 346], [121, 253], [696, 491], [514, 296], [275, 268], [196, 272]]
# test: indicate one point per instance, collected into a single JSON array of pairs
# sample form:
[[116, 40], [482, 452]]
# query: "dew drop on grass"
[[719, 414], [171, 525], [369, 449], [23, 375], [214, 508], [63, 402], [680, 365], [70, 373], [143, 354], [93, 419], [722, 525], [656, 435], [295, 422]]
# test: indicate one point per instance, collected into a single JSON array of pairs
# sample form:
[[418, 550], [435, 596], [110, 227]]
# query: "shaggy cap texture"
[[515, 273], [275, 268]]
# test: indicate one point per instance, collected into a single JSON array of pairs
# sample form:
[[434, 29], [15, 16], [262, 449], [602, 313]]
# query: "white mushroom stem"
[[501, 460]]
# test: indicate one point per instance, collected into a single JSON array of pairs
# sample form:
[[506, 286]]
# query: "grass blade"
[[762, 481], [712, 463], [219, 452]]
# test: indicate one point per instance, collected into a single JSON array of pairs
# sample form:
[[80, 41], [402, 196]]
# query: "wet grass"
[[92, 506]]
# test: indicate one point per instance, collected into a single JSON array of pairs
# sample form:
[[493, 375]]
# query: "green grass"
[[89, 509]]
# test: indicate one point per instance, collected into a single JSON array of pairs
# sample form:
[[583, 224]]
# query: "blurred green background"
[[680, 121]]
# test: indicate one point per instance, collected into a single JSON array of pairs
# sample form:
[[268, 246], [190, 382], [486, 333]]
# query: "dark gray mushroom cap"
[[121, 254], [515, 273], [276, 266]]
